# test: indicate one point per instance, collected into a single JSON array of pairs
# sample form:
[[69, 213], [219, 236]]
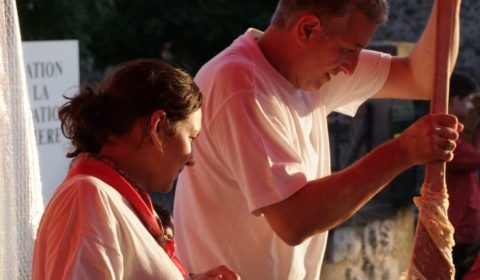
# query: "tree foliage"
[[184, 32]]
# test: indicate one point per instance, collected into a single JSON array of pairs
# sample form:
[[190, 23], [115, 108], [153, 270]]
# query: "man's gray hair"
[[288, 11]]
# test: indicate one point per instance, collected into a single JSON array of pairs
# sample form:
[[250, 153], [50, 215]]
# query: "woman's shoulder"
[[83, 187], [84, 199]]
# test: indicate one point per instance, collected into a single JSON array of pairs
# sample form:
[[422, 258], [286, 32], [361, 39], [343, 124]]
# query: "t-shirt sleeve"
[[344, 94], [85, 246], [257, 150]]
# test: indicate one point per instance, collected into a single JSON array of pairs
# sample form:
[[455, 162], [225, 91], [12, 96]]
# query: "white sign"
[[52, 70]]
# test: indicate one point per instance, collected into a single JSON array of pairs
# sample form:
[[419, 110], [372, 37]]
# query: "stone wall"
[[377, 249], [409, 17]]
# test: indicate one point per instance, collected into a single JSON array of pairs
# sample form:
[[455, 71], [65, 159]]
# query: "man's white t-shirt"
[[262, 140], [90, 231]]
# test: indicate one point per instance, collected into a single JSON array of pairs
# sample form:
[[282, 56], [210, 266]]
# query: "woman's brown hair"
[[134, 90]]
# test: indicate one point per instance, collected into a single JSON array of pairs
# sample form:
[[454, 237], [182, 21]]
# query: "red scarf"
[[140, 200]]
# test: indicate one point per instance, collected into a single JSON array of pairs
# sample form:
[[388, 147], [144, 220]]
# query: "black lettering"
[[54, 114], [29, 71], [34, 70], [39, 136], [39, 114], [59, 67], [45, 114], [40, 93], [36, 117], [47, 69], [58, 133], [48, 136]]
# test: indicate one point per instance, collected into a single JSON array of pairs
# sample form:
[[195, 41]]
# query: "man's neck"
[[276, 46]]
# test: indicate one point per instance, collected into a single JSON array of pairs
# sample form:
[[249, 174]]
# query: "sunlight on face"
[[336, 53], [178, 150]]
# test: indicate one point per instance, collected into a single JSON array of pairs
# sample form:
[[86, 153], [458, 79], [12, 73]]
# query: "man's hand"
[[430, 138]]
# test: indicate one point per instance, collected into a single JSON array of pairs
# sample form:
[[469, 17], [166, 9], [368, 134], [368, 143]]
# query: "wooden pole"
[[435, 172], [432, 250]]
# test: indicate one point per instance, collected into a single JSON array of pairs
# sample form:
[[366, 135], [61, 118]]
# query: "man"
[[261, 196], [462, 181]]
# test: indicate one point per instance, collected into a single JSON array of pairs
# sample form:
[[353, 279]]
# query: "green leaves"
[[186, 33]]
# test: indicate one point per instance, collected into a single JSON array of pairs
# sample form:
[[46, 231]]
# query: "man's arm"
[[326, 202], [412, 77]]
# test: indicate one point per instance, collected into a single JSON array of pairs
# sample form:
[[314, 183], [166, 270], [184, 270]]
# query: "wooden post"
[[432, 250]]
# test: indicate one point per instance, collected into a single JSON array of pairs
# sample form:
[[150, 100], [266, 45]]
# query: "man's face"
[[329, 55]]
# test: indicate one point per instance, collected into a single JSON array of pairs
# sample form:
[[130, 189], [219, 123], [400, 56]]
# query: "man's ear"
[[307, 26]]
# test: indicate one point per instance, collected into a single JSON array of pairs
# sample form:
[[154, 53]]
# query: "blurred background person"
[[462, 180], [474, 272]]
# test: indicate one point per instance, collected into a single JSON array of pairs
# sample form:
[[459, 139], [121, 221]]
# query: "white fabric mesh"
[[20, 187]]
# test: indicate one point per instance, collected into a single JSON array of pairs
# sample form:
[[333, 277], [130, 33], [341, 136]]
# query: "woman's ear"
[[156, 123], [158, 120]]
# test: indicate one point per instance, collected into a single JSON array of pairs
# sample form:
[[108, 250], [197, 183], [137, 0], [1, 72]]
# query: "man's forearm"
[[342, 194], [422, 58], [326, 202]]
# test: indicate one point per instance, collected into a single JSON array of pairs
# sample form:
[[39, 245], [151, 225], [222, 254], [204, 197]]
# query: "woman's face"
[[177, 151]]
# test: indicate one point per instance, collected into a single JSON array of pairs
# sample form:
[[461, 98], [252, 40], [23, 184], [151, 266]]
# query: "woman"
[[134, 134]]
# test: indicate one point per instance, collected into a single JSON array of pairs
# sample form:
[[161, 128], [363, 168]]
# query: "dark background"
[[187, 33]]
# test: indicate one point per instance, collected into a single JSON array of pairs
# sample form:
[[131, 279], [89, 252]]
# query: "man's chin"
[[315, 87], [321, 82]]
